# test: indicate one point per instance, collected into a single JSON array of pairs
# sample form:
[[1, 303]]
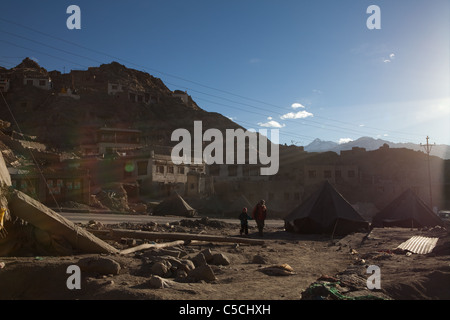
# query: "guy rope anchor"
[[3, 232]]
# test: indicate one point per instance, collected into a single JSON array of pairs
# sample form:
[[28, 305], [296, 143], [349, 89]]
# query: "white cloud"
[[297, 105], [391, 57], [269, 118], [271, 124], [231, 118], [344, 140], [362, 125], [296, 115]]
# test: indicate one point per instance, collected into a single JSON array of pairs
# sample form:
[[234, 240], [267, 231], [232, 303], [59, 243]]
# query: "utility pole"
[[427, 148]]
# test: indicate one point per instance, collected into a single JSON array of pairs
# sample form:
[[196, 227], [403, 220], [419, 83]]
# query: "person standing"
[[259, 214], [244, 217]]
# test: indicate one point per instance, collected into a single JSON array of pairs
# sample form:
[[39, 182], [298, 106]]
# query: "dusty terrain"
[[312, 263]]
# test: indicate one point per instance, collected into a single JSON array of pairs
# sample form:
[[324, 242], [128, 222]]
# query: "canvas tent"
[[407, 211], [325, 212], [176, 206]]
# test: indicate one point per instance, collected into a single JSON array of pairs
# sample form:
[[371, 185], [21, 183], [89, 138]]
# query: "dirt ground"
[[286, 267]]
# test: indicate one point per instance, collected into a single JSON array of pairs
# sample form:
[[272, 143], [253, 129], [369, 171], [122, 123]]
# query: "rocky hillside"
[[109, 95]]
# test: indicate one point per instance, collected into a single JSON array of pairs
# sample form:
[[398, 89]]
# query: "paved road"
[[109, 218]]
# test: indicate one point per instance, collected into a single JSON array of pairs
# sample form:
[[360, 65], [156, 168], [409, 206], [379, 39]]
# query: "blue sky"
[[312, 69]]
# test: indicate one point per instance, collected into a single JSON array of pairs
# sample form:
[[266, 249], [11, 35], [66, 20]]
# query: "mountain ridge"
[[369, 143]]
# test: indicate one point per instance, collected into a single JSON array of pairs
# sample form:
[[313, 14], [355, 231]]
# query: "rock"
[[161, 268], [259, 259], [181, 274], [208, 255], [99, 265], [204, 273], [157, 282], [199, 260], [184, 264], [219, 259]]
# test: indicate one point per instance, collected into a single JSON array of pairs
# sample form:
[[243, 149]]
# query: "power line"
[[343, 129], [40, 52]]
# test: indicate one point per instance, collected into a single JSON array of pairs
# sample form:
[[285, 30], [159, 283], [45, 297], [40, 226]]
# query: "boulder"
[[157, 282], [199, 260], [100, 265], [259, 259], [219, 259], [161, 268], [204, 273], [208, 255]]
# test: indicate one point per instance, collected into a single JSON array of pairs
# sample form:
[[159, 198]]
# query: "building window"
[[181, 170], [170, 169], [286, 196], [327, 174], [30, 82], [351, 173], [114, 87], [142, 168], [192, 186], [160, 169], [42, 83], [338, 174], [312, 174]]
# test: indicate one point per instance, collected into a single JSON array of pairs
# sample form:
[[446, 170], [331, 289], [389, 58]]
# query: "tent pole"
[[334, 229]]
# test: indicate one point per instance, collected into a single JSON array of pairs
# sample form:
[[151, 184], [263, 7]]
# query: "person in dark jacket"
[[244, 217], [259, 214]]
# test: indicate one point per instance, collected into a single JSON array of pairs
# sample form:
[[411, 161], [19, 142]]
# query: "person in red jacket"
[[259, 214]]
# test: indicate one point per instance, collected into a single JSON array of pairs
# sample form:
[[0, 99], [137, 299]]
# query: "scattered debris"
[[279, 270], [122, 233], [419, 245], [45, 219]]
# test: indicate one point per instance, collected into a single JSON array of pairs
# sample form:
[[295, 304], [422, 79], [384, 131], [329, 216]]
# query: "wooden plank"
[[136, 234], [152, 246]]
